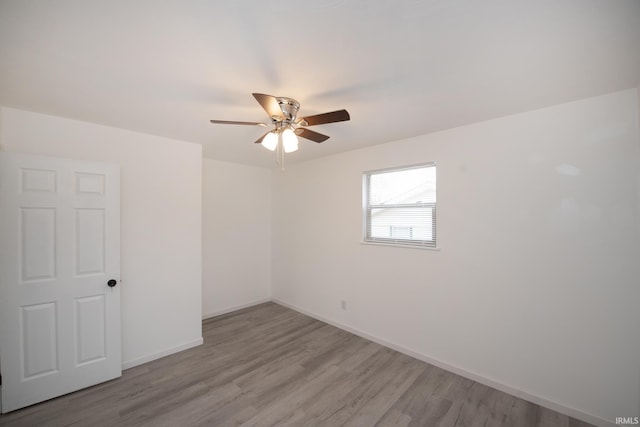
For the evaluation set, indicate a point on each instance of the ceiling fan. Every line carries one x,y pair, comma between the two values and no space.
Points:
282,112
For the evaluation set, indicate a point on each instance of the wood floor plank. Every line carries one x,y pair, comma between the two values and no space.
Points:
373,410
394,418
523,414
285,407
192,412
328,406
369,380
418,400
268,365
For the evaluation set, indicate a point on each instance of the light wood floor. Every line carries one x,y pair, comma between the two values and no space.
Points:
271,366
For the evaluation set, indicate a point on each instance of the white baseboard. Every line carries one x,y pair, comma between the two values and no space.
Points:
140,360
235,308
538,400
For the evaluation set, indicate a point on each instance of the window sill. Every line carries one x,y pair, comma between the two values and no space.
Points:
400,245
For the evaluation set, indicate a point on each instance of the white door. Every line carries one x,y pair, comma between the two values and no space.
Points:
59,248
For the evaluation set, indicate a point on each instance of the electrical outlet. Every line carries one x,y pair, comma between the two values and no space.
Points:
343,304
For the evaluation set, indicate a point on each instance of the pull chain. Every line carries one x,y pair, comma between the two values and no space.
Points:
280,153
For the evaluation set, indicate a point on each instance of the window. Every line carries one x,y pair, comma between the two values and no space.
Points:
400,206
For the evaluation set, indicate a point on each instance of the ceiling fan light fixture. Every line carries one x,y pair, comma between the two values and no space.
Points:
270,142
289,141
287,127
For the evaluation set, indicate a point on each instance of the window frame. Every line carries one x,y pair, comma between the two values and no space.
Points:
366,212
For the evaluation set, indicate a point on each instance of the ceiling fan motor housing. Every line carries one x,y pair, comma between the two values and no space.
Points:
289,107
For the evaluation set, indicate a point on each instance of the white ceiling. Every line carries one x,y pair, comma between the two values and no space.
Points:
401,68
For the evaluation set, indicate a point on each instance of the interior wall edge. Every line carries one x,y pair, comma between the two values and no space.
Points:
157,355
234,308
523,394
1,116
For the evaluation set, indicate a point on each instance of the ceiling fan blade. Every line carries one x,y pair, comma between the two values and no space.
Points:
270,105
309,134
259,140
231,122
332,117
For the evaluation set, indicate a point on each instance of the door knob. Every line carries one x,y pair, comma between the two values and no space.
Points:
111,283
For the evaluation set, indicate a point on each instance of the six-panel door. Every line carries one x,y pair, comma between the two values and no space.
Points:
59,247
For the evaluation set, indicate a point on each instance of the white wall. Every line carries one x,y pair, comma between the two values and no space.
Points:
536,285
161,231
236,246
